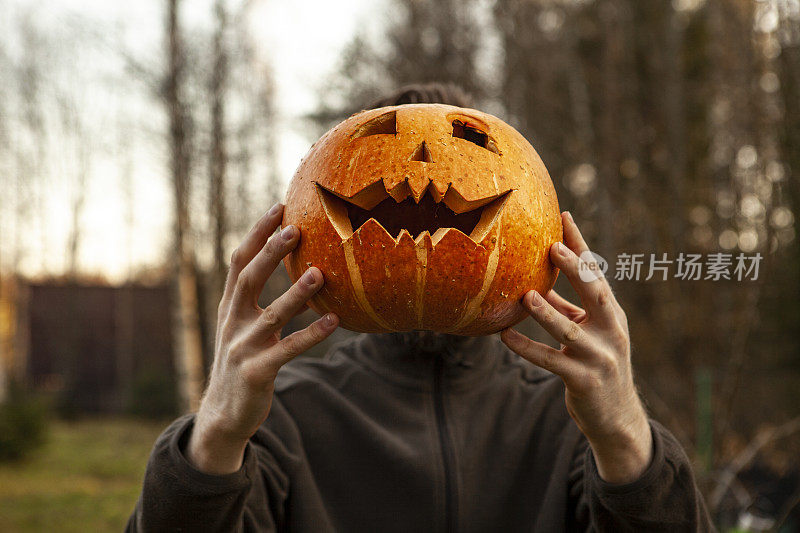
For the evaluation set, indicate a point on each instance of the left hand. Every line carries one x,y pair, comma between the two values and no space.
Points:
594,361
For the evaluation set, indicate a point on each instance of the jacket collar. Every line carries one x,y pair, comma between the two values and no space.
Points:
463,362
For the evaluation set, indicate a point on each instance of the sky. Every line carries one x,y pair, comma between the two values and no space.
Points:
305,38
301,41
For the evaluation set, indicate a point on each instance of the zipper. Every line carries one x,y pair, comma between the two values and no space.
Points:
448,460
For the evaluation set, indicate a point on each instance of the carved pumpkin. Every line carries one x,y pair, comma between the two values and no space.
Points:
424,216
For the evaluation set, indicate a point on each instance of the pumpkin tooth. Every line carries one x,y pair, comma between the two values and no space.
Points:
336,212
435,193
419,187
400,192
455,201
489,214
419,239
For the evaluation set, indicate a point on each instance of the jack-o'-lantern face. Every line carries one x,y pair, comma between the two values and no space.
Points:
424,216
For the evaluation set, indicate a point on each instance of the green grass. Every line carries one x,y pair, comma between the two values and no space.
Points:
86,477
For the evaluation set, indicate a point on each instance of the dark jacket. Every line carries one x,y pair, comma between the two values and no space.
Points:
377,438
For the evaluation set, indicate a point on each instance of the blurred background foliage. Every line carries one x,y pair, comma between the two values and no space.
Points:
668,127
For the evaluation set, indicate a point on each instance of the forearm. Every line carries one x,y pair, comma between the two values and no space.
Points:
211,451
624,455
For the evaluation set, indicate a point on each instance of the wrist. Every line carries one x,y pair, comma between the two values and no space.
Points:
214,452
623,456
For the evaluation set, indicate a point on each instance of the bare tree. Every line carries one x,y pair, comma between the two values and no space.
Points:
189,345
74,133
5,328
218,154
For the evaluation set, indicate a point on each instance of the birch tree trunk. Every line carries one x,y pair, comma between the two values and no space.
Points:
186,329
218,162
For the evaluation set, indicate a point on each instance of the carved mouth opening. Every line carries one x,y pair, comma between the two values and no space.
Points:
399,211
416,218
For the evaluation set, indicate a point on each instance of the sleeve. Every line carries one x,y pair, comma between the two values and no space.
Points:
664,498
177,497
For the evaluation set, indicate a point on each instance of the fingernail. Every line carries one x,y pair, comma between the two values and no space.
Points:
561,249
274,209
536,299
308,278
569,216
288,233
328,320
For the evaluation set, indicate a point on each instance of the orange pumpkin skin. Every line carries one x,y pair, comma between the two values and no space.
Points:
449,281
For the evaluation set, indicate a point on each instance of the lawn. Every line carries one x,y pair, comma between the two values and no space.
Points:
85,478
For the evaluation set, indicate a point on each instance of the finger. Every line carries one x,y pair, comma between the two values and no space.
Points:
267,364
561,328
288,304
540,354
575,241
250,245
572,235
594,292
252,279
301,310
564,306
303,340
297,313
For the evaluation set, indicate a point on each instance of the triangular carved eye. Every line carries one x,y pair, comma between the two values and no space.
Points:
474,135
422,154
385,124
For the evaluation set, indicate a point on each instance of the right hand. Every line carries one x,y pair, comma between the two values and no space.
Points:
249,350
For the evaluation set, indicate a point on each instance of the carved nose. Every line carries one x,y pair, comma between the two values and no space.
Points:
421,153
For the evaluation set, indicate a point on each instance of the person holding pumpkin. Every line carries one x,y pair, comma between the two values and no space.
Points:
417,431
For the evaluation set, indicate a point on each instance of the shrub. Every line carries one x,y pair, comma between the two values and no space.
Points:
23,424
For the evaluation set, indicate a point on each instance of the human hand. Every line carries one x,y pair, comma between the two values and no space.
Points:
594,362
249,350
